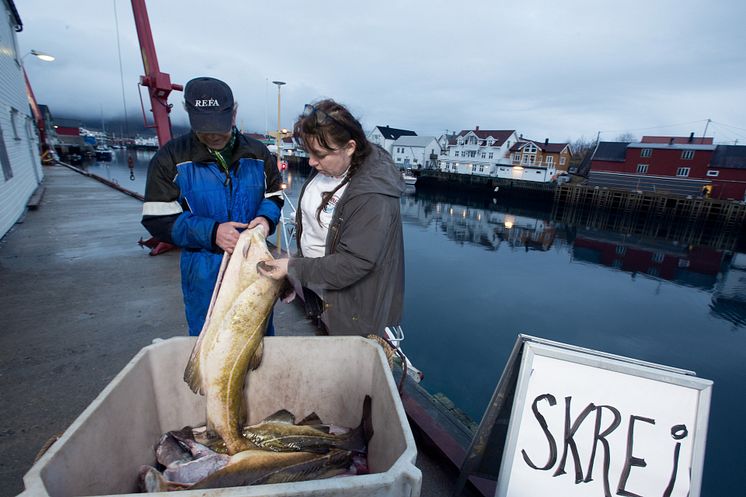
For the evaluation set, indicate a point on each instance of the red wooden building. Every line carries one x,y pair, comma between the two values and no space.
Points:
675,165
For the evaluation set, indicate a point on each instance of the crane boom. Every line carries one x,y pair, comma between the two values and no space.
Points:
158,83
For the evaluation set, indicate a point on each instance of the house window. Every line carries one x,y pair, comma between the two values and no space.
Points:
562,161
549,160
682,171
530,149
484,155
516,157
489,156
398,159
4,159
621,249
13,119
456,153
713,173
642,169
687,154
658,257
646,152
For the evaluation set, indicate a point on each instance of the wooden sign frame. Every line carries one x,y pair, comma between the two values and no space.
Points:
498,430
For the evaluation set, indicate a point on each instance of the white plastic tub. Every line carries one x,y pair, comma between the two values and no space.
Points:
100,453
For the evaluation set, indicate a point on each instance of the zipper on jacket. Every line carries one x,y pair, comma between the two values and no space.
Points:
335,236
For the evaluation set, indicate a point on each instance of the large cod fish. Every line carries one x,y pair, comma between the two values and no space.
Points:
230,342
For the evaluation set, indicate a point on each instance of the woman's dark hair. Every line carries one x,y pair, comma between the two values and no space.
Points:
331,125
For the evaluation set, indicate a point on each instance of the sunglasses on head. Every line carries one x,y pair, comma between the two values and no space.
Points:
323,117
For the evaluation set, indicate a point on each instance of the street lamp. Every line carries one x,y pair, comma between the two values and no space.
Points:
39,55
278,137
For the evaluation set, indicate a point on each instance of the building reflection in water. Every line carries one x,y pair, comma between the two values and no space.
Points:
662,251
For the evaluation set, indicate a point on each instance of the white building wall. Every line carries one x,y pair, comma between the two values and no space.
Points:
376,137
476,159
414,156
408,157
22,144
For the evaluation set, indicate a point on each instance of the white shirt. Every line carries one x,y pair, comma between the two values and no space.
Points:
313,238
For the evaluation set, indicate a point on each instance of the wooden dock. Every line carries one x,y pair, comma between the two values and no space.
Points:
731,213
696,221
485,184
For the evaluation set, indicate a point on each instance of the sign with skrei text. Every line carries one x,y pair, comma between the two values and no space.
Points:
589,424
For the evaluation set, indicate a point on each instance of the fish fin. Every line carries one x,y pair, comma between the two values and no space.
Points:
256,359
311,419
152,480
281,416
193,373
357,440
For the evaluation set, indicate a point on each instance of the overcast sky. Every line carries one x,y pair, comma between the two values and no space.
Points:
557,69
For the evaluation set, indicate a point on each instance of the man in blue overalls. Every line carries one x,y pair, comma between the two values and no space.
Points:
205,187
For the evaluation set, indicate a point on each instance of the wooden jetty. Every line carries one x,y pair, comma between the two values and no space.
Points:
696,221
486,184
731,213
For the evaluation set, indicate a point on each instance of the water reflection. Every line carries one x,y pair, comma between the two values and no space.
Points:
128,168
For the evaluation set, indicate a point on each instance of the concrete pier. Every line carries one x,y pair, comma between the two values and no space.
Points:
79,298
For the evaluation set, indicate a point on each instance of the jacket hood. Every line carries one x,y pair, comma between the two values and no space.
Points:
377,174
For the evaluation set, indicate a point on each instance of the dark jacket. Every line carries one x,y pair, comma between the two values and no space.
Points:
361,276
188,195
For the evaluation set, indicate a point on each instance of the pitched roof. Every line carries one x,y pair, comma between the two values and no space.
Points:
611,151
414,141
551,148
729,156
677,139
500,135
394,133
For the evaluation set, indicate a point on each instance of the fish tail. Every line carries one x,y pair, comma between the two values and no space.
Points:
358,438
193,373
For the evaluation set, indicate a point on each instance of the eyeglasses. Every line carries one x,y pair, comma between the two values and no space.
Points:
323,117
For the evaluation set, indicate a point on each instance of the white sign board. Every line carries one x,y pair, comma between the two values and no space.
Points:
595,425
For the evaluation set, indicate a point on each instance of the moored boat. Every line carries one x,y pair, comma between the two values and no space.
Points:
409,178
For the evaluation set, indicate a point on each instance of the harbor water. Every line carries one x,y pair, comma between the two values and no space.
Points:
480,271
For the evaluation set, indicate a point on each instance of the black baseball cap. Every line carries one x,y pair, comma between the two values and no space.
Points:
209,103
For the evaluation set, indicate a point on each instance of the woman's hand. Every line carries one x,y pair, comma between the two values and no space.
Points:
276,269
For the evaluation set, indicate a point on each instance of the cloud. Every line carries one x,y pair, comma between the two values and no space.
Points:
546,69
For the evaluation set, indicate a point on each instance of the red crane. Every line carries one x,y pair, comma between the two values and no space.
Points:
158,83
160,86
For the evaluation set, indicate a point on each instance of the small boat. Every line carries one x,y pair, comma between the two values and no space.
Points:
104,153
409,178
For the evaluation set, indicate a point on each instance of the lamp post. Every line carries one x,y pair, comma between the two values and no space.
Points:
38,117
278,146
278,139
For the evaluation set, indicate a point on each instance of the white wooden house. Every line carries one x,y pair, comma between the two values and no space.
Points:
20,166
385,136
416,152
477,151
